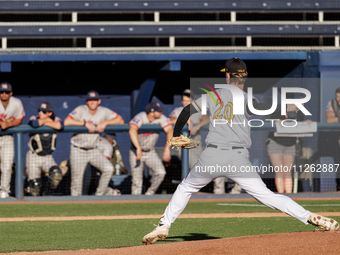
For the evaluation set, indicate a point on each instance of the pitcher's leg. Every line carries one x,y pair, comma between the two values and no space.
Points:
256,188
181,197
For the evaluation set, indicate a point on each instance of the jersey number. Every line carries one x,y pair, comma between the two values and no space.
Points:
228,111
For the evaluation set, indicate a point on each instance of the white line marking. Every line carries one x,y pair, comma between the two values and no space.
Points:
256,205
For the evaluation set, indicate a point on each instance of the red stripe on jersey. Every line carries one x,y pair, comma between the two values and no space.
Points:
20,118
132,123
167,125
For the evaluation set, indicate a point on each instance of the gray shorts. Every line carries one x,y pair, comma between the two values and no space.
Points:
274,148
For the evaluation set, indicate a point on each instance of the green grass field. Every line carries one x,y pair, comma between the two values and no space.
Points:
94,234
34,210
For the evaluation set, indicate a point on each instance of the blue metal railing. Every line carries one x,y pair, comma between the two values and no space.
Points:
22,129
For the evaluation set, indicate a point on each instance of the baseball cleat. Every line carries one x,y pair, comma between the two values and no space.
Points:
325,223
160,232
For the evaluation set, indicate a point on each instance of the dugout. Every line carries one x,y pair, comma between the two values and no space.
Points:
151,79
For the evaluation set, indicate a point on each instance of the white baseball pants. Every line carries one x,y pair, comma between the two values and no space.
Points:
6,158
35,164
79,159
250,182
152,161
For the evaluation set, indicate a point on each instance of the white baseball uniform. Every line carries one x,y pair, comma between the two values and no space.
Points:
227,146
15,111
150,158
84,150
36,163
105,147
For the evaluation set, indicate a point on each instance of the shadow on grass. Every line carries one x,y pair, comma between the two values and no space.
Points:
192,237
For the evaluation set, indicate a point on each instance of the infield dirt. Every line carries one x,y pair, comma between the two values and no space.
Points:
311,242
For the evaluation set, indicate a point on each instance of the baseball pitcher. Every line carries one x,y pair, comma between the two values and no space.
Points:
227,146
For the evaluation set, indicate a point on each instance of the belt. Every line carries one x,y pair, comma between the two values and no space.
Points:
85,149
5,134
225,148
146,150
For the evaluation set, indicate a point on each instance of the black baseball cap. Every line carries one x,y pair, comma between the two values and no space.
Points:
235,65
5,87
46,107
92,95
154,107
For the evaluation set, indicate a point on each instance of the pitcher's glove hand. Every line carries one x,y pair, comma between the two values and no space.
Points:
183,142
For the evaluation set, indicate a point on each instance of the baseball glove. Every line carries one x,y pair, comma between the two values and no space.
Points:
183,142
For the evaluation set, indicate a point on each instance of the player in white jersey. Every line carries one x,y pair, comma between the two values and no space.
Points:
41,146
227,145
84,146
105,147
11,115
143,150
116,158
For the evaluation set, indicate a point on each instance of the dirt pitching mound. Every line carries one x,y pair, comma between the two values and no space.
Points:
311,242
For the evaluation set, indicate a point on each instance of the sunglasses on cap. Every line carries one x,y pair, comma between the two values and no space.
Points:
7,92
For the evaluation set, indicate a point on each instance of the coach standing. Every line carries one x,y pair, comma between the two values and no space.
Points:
11,115
84,147
143,150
